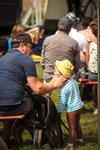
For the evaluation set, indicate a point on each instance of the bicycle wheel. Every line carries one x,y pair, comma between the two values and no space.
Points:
25,133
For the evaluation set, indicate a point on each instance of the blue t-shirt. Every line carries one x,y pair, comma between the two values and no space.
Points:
69,97
14,67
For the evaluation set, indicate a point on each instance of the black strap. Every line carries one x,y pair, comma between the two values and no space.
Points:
64,125
59,118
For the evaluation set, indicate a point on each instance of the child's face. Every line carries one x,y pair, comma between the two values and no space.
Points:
57,73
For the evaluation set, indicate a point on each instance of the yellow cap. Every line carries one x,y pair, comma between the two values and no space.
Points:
65,67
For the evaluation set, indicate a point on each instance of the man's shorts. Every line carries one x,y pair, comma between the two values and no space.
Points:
24,108
92,76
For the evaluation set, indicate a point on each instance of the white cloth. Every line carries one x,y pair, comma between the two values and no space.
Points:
93,58
81,39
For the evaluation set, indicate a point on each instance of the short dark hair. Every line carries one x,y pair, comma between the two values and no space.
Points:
65,23
93,26
17,45
86,22
62,29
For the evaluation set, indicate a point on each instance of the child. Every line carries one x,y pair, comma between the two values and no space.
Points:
69,99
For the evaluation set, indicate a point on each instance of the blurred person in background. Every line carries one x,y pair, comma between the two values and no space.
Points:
81,39
74,5
85,27
86,31
15,30
59,46
3,47
91,60
37,37
3,51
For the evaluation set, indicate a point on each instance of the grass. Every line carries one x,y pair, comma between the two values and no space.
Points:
88,123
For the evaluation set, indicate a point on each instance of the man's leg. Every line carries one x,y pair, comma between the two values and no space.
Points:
95,102
3,145
7,129
24,108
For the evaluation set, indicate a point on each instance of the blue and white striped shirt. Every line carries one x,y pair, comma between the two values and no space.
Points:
69,97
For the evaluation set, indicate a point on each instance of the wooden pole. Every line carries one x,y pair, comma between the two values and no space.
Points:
98,47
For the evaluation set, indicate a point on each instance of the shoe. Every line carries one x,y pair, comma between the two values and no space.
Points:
79,140
69,148
95,106
95,112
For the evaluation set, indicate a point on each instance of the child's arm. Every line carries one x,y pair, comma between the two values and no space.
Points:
33,30
62,101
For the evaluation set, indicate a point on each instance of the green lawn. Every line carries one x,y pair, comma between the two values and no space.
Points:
88,123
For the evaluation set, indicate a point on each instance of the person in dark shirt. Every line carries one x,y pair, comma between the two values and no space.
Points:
37,37
3,46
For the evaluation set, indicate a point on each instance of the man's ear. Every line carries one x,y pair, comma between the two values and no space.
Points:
22,47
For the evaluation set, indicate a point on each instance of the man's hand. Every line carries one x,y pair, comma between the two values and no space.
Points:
58,81
42,88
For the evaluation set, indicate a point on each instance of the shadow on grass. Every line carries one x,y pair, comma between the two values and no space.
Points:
85,110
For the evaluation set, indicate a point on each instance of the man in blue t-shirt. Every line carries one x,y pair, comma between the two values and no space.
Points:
16,69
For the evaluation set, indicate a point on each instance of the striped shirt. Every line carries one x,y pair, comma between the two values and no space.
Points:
69,97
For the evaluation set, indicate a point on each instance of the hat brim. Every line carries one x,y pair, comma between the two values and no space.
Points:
33,44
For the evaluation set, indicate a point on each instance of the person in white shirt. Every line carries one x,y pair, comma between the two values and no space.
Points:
81,39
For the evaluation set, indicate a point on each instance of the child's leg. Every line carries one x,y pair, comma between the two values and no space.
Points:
78,127
3,145
71,119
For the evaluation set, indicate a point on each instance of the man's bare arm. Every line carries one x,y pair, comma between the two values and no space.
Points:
41,88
